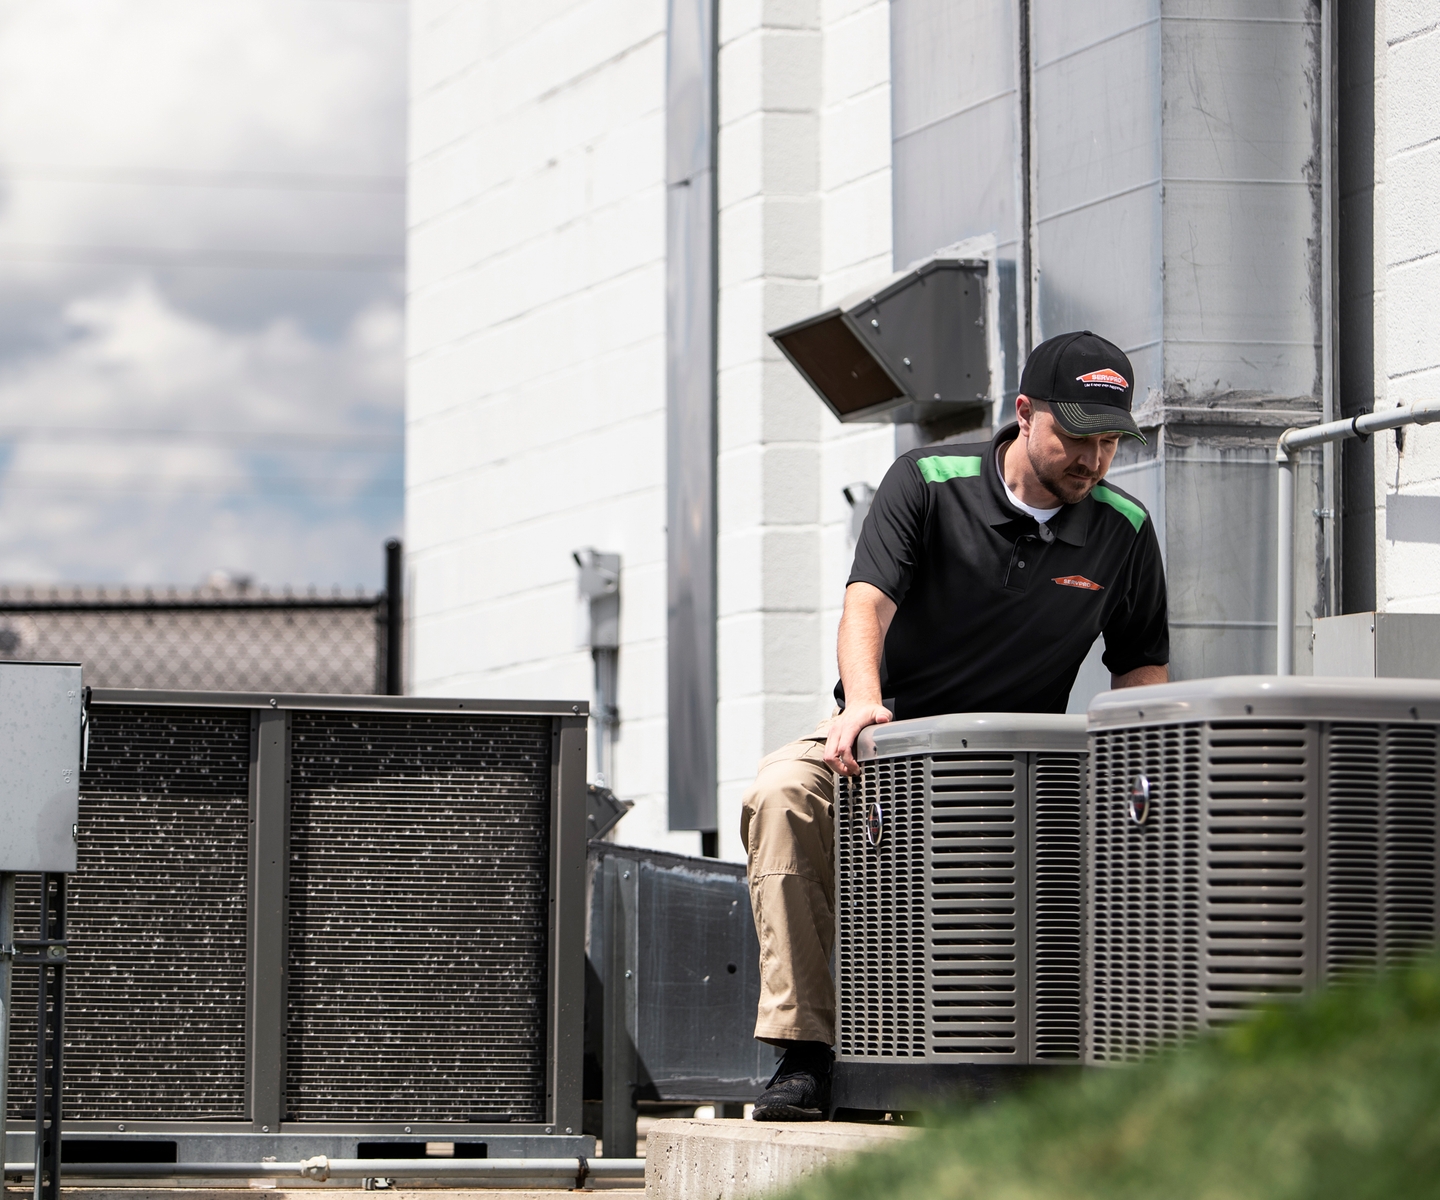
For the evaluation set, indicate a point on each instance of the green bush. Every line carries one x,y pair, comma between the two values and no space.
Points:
1338,1097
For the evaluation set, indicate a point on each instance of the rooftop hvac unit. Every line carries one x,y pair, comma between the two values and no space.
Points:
1250,838
958,888
308,925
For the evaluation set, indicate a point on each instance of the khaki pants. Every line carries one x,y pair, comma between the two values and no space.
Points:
787,822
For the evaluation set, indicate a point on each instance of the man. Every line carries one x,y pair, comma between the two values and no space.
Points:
982,577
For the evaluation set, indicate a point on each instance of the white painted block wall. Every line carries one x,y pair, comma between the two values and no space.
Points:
1408,230
804,183
535,410
536,393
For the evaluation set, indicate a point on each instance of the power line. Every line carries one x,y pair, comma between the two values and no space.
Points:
278,440
303,181
159,256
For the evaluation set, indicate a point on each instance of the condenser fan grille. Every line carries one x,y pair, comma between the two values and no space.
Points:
155,993
419,873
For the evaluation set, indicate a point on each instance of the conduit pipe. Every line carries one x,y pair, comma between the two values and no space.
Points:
1287,449
569,1172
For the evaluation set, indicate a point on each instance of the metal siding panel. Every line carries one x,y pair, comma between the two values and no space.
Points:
419,917
691,438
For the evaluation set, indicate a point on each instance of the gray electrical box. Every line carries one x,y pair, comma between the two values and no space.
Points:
1378,645
40,707
915,349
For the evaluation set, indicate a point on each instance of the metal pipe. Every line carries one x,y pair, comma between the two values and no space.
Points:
394,618
1287,449
7,957
572,1170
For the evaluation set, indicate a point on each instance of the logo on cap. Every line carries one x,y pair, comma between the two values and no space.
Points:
1104,378
1078,581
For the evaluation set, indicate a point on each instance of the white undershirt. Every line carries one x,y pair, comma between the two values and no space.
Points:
1040,514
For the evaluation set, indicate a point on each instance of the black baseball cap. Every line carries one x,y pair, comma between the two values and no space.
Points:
1087,381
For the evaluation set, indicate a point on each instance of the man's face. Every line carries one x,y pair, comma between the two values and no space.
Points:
1068,466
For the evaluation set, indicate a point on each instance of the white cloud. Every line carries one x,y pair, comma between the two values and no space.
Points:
164,124
178,492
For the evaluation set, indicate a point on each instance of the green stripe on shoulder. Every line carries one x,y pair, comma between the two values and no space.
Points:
1128,509
940,467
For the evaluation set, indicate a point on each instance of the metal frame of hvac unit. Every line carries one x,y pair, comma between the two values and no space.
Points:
265,1134
898,926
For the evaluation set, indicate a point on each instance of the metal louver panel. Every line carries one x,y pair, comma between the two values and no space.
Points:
155,1017
1057,798
881,910
1258,830
976,903
1144,892
1380,845
419,870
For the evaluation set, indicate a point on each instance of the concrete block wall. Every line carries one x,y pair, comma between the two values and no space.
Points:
1408,237
536,395
536,391
804,185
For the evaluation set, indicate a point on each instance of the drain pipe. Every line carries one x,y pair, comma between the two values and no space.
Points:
1287,450
568,1172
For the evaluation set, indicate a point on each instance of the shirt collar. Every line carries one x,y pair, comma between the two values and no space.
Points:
1069,525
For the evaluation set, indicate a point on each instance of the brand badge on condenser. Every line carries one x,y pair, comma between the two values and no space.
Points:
874,823
1138,806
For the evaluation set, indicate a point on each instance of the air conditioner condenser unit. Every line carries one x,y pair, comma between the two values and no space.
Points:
958,892
1248,839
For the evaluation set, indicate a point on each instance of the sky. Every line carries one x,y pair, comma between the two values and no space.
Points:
201,290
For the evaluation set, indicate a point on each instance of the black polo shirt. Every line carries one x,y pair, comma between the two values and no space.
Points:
995,614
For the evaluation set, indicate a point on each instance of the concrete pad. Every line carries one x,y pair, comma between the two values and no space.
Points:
731,1160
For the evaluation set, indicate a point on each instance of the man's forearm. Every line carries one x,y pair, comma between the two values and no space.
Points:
1141,677
863,626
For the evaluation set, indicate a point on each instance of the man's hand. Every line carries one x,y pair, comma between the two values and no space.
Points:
863,626
844,729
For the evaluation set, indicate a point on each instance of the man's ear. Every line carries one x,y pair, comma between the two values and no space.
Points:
1024,413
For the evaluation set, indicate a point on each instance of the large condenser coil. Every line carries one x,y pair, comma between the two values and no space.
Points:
958,893
337,925
1250,838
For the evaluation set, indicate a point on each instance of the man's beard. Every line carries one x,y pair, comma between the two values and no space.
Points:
1067,488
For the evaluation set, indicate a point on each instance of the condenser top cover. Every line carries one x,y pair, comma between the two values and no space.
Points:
40,705
1272,697
912,350
972,731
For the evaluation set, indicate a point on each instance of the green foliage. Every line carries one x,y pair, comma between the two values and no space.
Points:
1338,1097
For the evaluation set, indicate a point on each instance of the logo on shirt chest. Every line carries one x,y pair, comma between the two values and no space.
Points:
1078,581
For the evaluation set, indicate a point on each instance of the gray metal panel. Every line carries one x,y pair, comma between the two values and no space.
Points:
1369,644
308,701
569,819
691,439
973,731
956,169
683,930
1242,196
955,124
1277,697
40,747
270,876
1346,645
1097,175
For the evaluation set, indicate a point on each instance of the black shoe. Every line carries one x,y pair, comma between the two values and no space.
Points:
800,1088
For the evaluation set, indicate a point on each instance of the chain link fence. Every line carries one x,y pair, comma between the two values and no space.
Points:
203,639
